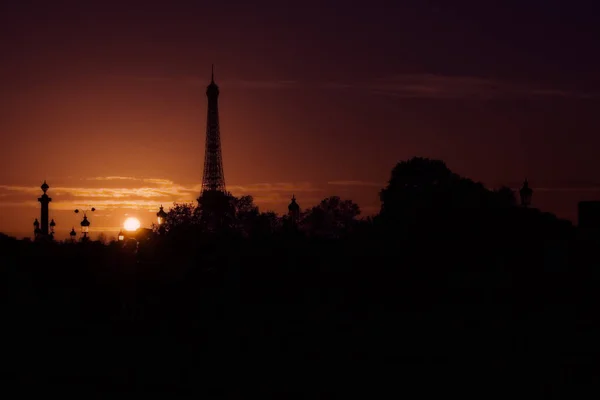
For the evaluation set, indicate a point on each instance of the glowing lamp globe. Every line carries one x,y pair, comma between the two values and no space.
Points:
162,215
85,225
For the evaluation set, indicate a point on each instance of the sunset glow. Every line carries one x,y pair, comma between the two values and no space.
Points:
131,224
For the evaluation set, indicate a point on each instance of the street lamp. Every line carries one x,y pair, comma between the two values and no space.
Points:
161,215
121,236
85,224
525,194
85,227
52,225
73,234
36,228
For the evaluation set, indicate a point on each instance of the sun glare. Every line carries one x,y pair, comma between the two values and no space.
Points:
131,224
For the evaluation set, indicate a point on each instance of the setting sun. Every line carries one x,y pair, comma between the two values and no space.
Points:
131,224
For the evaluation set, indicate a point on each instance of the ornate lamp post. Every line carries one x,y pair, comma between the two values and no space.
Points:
44,202
52,225
42,229
85,227
294,211
525,194
161,216
85,223
73,234
36,229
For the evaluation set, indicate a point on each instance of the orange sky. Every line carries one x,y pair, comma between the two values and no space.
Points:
314,102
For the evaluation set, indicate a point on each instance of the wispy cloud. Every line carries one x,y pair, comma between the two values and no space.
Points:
111,178
145,193
355,183
564,189
249,84
417,86
432,86
274,187
162,182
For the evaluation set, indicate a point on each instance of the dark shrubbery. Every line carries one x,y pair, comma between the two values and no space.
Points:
451,287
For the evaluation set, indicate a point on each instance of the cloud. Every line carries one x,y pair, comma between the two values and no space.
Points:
148,193
356,183
23,189
203,82
563,189
249,84
409,86
129,194
416,86
275,187
145,193
432,86
112,178
163,182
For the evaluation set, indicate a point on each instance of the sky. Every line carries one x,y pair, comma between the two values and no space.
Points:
106,101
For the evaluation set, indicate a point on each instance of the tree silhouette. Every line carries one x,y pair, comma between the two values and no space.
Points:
204,300
415,183
217,211
332,217
505,197
246,214
424,195
182,216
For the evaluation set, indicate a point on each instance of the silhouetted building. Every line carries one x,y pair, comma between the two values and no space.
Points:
213,178
294,210
525,193
44,223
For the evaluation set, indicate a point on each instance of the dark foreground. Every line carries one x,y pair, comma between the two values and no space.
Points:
301,318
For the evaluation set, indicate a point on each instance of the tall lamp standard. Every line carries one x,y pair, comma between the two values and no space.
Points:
36,229
85,223
161,216
525,194
52,225
73,234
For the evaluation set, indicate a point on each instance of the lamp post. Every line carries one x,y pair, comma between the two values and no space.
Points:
73,234
52,225
161,216
121,236
85,228
44,202
85,223
294,210
36,229
525,194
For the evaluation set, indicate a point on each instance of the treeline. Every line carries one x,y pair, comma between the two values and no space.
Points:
451,288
